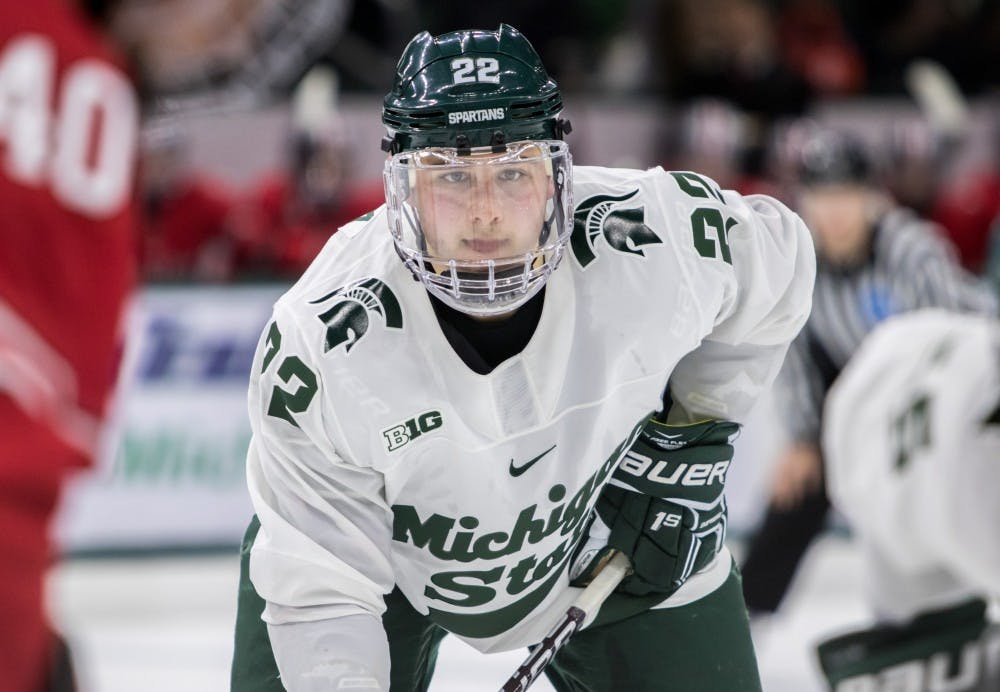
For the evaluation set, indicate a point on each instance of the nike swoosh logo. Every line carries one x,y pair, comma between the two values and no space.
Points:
516,471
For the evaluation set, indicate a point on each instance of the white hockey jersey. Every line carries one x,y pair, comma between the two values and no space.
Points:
911,460
379,458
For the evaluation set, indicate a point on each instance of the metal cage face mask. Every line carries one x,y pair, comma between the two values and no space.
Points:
482,229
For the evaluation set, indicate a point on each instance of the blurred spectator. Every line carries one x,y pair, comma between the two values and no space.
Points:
913,162
815,45
717,139
184,215
921,173
207,53
874,260
178,39
767,55
67,266
287,217
922,164
727,49
571,38
374,31
968,203
959,34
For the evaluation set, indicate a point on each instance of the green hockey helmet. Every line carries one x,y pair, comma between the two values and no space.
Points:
470,89
478,184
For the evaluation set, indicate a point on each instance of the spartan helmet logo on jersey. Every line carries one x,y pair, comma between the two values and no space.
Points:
623,229
348,320
478,182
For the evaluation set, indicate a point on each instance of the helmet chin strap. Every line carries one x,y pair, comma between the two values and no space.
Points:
547,227
557,179
418,229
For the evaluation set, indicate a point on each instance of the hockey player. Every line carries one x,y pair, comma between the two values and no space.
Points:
912,445
68,123
875,260
464,374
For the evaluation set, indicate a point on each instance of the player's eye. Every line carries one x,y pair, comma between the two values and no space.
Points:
510,175
454,177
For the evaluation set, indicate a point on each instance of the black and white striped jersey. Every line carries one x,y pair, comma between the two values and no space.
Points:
910,266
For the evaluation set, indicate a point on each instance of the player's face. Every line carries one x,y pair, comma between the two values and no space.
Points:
839,217
481,229
487,207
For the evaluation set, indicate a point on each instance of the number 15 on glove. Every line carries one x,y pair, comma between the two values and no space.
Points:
663,507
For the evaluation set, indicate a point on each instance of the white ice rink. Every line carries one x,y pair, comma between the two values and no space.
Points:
165,624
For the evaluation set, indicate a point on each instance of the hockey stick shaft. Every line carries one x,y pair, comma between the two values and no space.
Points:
592,597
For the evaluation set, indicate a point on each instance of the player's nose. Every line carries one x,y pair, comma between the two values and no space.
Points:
485,204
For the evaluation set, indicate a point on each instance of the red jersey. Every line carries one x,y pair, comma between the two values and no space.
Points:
68,124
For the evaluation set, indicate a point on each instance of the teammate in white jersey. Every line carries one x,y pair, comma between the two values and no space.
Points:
912,443
464,401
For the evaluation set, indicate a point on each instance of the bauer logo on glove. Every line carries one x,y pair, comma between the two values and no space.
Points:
664,507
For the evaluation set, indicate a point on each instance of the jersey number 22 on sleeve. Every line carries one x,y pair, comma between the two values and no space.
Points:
704,218
284,402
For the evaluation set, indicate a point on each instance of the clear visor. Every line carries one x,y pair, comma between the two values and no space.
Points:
481,224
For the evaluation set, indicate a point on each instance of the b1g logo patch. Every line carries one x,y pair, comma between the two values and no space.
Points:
398,435
347,320
624,230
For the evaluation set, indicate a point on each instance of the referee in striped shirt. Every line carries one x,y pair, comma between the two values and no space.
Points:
874,260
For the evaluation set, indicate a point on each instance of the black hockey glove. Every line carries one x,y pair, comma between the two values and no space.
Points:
663,507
